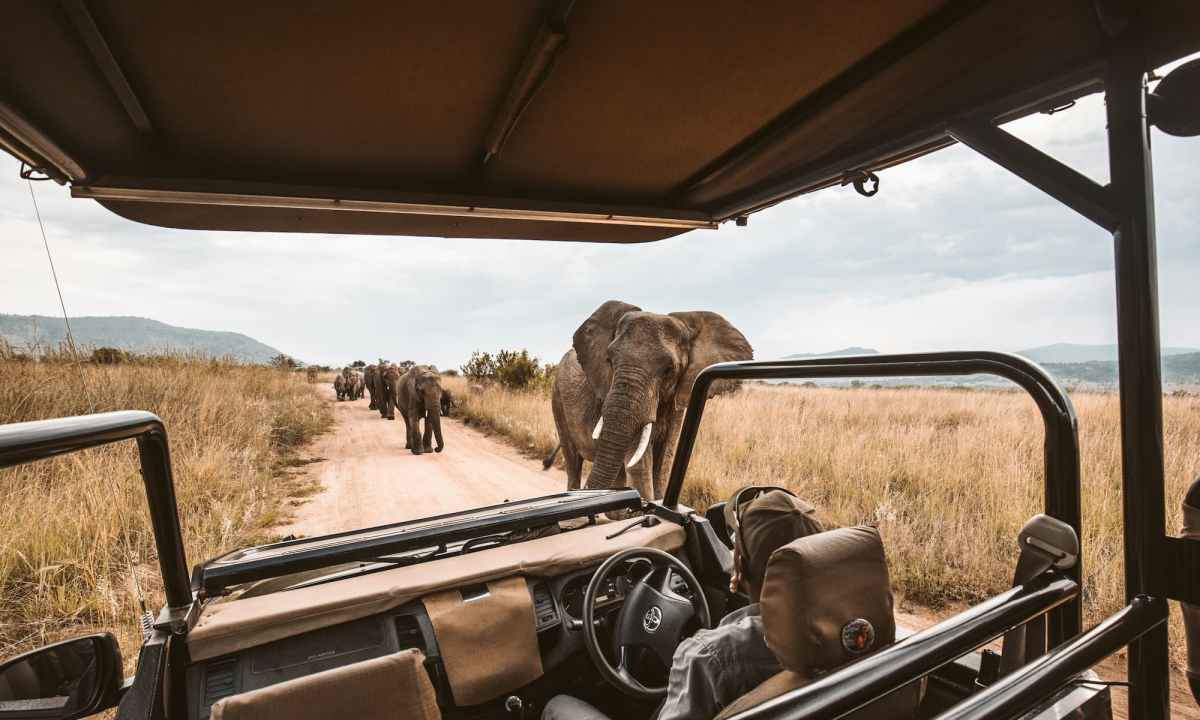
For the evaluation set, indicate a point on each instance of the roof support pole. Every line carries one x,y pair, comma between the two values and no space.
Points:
1070,187
107,63
1139,368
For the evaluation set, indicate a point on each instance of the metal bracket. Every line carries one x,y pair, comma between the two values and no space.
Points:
860,178
1065,184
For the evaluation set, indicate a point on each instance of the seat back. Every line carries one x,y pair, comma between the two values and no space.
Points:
827,602
392,686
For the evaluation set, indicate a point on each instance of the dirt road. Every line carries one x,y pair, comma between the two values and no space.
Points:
367,477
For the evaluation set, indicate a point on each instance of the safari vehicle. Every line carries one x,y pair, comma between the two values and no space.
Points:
593,122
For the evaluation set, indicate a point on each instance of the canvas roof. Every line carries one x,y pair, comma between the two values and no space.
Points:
614,121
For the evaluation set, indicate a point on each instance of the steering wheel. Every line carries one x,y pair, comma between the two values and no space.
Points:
652,617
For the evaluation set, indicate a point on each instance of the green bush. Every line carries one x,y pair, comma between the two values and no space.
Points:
514,369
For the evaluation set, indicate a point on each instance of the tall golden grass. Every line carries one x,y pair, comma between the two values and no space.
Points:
948,475
72,527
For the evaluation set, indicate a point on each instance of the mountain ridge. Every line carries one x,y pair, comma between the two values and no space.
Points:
134,333
844,352
1078,353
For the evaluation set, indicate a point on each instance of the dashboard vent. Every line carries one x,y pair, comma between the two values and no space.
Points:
543,607
220,681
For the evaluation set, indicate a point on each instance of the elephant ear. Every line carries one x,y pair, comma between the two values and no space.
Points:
591,342
713,340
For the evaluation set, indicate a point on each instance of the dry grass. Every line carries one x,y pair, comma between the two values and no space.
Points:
71,525
948,475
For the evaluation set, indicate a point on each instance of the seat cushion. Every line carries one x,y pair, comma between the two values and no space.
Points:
392,687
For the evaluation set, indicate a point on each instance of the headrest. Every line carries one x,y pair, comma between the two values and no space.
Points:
827,600
768,522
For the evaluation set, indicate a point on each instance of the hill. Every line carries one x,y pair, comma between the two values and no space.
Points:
844,352
132,333
1074,353
1177,369
1096,366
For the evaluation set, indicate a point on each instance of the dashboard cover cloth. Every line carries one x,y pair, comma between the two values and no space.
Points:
819,586
386,688
235,625
488,643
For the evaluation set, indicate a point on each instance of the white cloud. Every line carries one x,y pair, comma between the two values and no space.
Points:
954,252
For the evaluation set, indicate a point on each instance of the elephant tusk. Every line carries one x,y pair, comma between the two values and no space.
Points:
642,444
599,427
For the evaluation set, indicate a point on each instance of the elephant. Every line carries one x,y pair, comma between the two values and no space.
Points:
419,397
447,402
387,382
369,382
358,386
620,393
339,387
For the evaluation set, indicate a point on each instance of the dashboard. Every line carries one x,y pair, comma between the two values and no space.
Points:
558,618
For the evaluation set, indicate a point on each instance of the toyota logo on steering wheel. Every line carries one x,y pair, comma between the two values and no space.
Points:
652,620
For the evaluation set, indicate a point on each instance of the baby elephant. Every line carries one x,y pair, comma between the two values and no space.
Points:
419,396
341,387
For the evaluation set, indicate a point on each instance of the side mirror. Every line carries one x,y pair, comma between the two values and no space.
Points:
66,680
1174,106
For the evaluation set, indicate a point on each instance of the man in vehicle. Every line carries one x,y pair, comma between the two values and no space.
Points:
714,667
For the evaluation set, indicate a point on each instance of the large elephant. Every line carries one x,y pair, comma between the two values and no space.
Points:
620,393
369,382
420,397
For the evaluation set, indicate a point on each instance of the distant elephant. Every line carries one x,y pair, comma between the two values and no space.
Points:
358,386
447,402
387,384
310,373
620,393
369,383
420,397
339,387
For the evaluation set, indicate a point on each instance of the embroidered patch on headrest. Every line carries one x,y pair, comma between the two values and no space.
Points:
858,636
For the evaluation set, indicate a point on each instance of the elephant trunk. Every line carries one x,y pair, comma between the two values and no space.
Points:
628,412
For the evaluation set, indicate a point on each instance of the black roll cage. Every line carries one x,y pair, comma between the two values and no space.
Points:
1158,567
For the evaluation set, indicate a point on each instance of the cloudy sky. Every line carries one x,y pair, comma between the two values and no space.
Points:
952,253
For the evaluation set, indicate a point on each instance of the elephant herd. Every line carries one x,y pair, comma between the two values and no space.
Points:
618,399
415,391
348,385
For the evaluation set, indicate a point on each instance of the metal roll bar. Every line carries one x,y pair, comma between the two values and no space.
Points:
28,441
1016,693
1061,447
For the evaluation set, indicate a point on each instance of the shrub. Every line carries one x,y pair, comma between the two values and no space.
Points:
109,356
515,369
284,362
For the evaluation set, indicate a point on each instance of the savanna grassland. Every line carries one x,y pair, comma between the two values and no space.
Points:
72,528
949,475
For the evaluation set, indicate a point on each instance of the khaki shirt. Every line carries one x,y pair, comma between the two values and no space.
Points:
714,667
